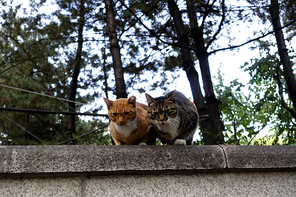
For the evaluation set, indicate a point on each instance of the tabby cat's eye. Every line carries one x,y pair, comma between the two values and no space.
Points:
126,113
114,114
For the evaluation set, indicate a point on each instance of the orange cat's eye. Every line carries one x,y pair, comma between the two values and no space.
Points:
114,114
126,113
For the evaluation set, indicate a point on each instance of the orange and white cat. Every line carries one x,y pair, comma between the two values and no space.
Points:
130,123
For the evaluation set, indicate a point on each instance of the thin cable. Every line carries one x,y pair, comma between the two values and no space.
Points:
32,80
43,87
101,127
22,128
50,112
62,99
39,85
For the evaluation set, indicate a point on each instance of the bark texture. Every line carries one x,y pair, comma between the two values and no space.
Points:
214,134
115,50
283,52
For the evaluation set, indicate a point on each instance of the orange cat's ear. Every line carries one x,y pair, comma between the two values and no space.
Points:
149,99
132,100
108,102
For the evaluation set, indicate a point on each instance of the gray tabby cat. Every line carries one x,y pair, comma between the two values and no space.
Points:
174,117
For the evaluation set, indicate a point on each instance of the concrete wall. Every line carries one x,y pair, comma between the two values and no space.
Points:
147,171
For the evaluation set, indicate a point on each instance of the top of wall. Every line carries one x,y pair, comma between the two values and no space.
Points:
100,160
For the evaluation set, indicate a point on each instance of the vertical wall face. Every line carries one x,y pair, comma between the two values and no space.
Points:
196,184
204,184
69,186
148,171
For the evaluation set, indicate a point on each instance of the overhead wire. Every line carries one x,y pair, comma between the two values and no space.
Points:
22,128
32,92
61,99
39,85
85,134
50,112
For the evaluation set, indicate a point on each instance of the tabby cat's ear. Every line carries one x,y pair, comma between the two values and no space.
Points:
132,100
108,102
149,99
171,96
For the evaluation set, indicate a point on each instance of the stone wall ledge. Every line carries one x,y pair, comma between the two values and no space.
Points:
76,160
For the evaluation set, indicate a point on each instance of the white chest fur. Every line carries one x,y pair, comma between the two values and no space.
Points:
127,129
171,126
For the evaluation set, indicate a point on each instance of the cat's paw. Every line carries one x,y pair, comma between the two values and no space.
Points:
180,142
142,143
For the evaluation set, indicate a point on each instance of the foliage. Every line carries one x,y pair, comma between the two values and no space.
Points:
26,54
37,56
38,45
274,87
97,136
247,111
242,116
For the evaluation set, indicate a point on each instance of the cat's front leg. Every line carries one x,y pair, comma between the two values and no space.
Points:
180,142
147,138
143,140
117,142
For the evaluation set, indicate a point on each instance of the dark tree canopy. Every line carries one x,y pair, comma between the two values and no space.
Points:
65,55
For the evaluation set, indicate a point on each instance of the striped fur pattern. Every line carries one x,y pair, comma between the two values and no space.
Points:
130,123
174,117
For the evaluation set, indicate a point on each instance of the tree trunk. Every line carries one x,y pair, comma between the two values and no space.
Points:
214,134
105,72
283,52
115,50
188,67
76,71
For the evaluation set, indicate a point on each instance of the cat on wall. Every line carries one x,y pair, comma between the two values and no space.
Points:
174,118
130,123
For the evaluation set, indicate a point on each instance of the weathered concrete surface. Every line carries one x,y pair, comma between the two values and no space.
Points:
96,159
230,184
260,157
198,184
147,171
41,187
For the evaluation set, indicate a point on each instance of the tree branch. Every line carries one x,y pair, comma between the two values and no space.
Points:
220,26
283,103
151,31
252,40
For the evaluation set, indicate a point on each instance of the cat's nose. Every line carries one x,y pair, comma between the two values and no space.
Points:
162,119
120,119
